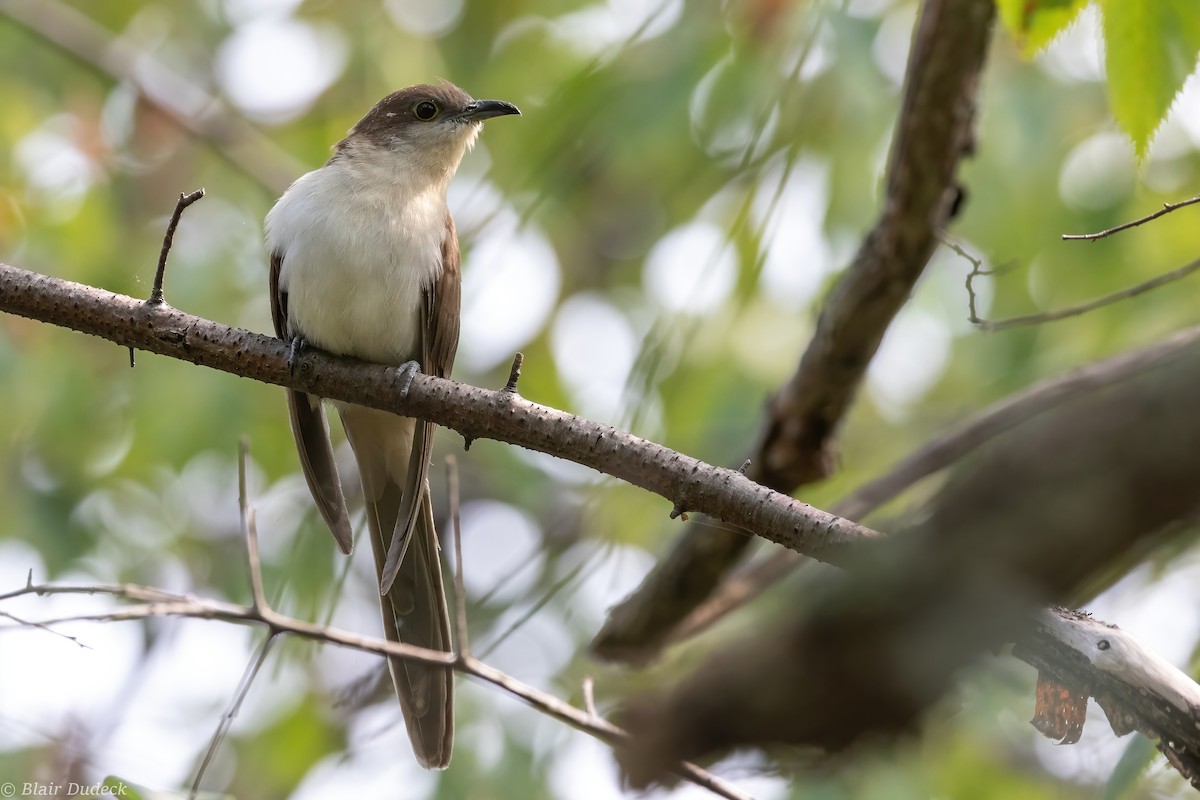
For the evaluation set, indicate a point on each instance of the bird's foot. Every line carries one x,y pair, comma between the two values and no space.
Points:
407,371
294,352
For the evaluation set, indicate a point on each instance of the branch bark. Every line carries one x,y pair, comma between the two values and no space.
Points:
933,133
688,483
1137,690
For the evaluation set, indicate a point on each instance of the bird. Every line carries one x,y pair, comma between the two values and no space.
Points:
364,262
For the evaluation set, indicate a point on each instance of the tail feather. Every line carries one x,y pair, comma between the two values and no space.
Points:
414,607
415,612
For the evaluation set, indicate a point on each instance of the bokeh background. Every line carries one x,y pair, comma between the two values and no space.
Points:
656,234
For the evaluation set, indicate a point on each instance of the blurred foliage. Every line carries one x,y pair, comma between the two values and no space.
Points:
1150,50
687,179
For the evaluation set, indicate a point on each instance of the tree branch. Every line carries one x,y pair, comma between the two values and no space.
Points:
476,413
933,133
933,456
1135,687
1043,515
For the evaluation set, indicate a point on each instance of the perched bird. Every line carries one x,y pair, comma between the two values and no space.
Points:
365,263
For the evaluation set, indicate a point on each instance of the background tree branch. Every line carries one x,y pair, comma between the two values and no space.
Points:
190,106
1062,502
934,132
934,456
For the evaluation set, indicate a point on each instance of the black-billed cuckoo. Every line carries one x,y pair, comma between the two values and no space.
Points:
365,263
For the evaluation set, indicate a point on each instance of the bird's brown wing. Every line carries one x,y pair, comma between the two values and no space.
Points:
311,432
439,342
443,305
414,601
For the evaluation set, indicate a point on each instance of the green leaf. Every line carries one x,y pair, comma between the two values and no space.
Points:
1151,49
1034,24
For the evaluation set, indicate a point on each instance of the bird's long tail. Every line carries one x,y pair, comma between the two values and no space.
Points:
414,609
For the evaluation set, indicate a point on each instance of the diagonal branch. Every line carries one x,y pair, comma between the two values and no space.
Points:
476,413
1044,514
935,455
933,134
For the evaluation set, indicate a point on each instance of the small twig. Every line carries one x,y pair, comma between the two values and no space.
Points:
534,608
460,589
589,695
1091,305
514,374
250,531
977,270
1166,209
599,727
156,291
230,713
28,624
125,591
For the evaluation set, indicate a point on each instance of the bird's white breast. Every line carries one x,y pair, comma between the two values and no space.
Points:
360,244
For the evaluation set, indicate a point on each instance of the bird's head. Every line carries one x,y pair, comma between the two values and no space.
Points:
426,127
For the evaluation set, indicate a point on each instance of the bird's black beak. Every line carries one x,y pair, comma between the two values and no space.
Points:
479,110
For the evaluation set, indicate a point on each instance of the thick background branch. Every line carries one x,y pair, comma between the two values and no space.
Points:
1037,517
935,455
933,133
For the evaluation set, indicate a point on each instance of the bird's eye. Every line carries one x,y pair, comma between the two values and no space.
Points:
425,110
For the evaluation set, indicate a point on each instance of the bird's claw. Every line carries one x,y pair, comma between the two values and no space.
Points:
294,351
407,371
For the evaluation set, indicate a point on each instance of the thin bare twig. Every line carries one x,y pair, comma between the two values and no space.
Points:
231,712
125,591
203,608
1091,305
27,624
589,695
514,374
595,725
977,270
250,531
1166,209
185,200
460,589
